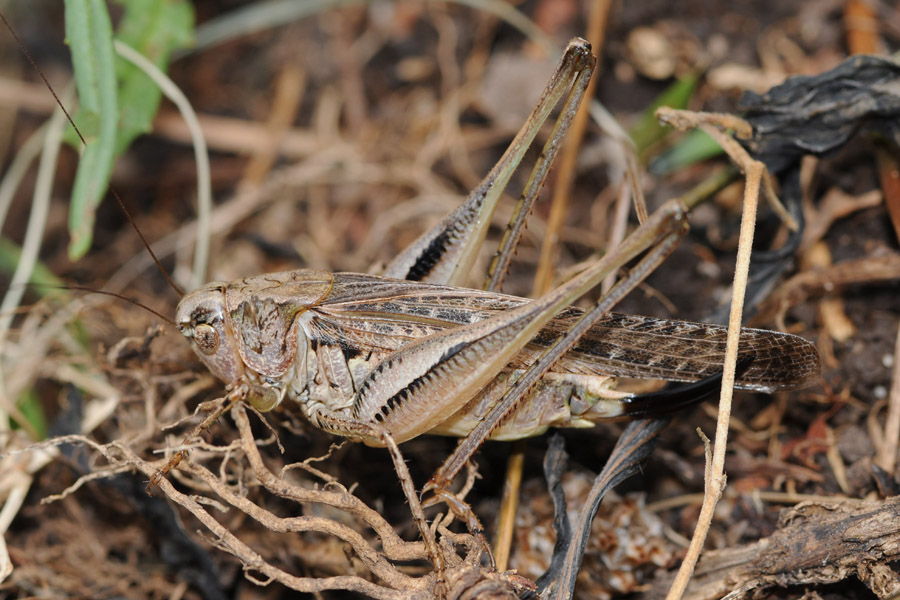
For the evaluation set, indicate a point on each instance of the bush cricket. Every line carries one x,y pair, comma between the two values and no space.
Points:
384,358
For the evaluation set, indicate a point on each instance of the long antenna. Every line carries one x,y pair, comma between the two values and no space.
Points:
82,288
112,189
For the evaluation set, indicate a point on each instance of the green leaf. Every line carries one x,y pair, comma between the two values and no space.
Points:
117,100
31,408
694,147
155,28
647,131
41,277
89,32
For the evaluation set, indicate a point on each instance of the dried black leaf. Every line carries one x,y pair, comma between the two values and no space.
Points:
818,114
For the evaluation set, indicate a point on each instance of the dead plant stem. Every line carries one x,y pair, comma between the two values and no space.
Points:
887,456
559,207
716,479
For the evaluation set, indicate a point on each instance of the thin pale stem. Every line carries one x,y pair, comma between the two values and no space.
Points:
887,456
201,156
715,125
229,542
559,206
506,517
715,480
34,234
415,507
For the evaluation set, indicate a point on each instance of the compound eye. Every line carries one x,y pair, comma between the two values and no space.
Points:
206,338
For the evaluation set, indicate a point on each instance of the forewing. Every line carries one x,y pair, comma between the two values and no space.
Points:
368,313
644,347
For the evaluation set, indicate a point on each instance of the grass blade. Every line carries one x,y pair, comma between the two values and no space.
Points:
90,36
